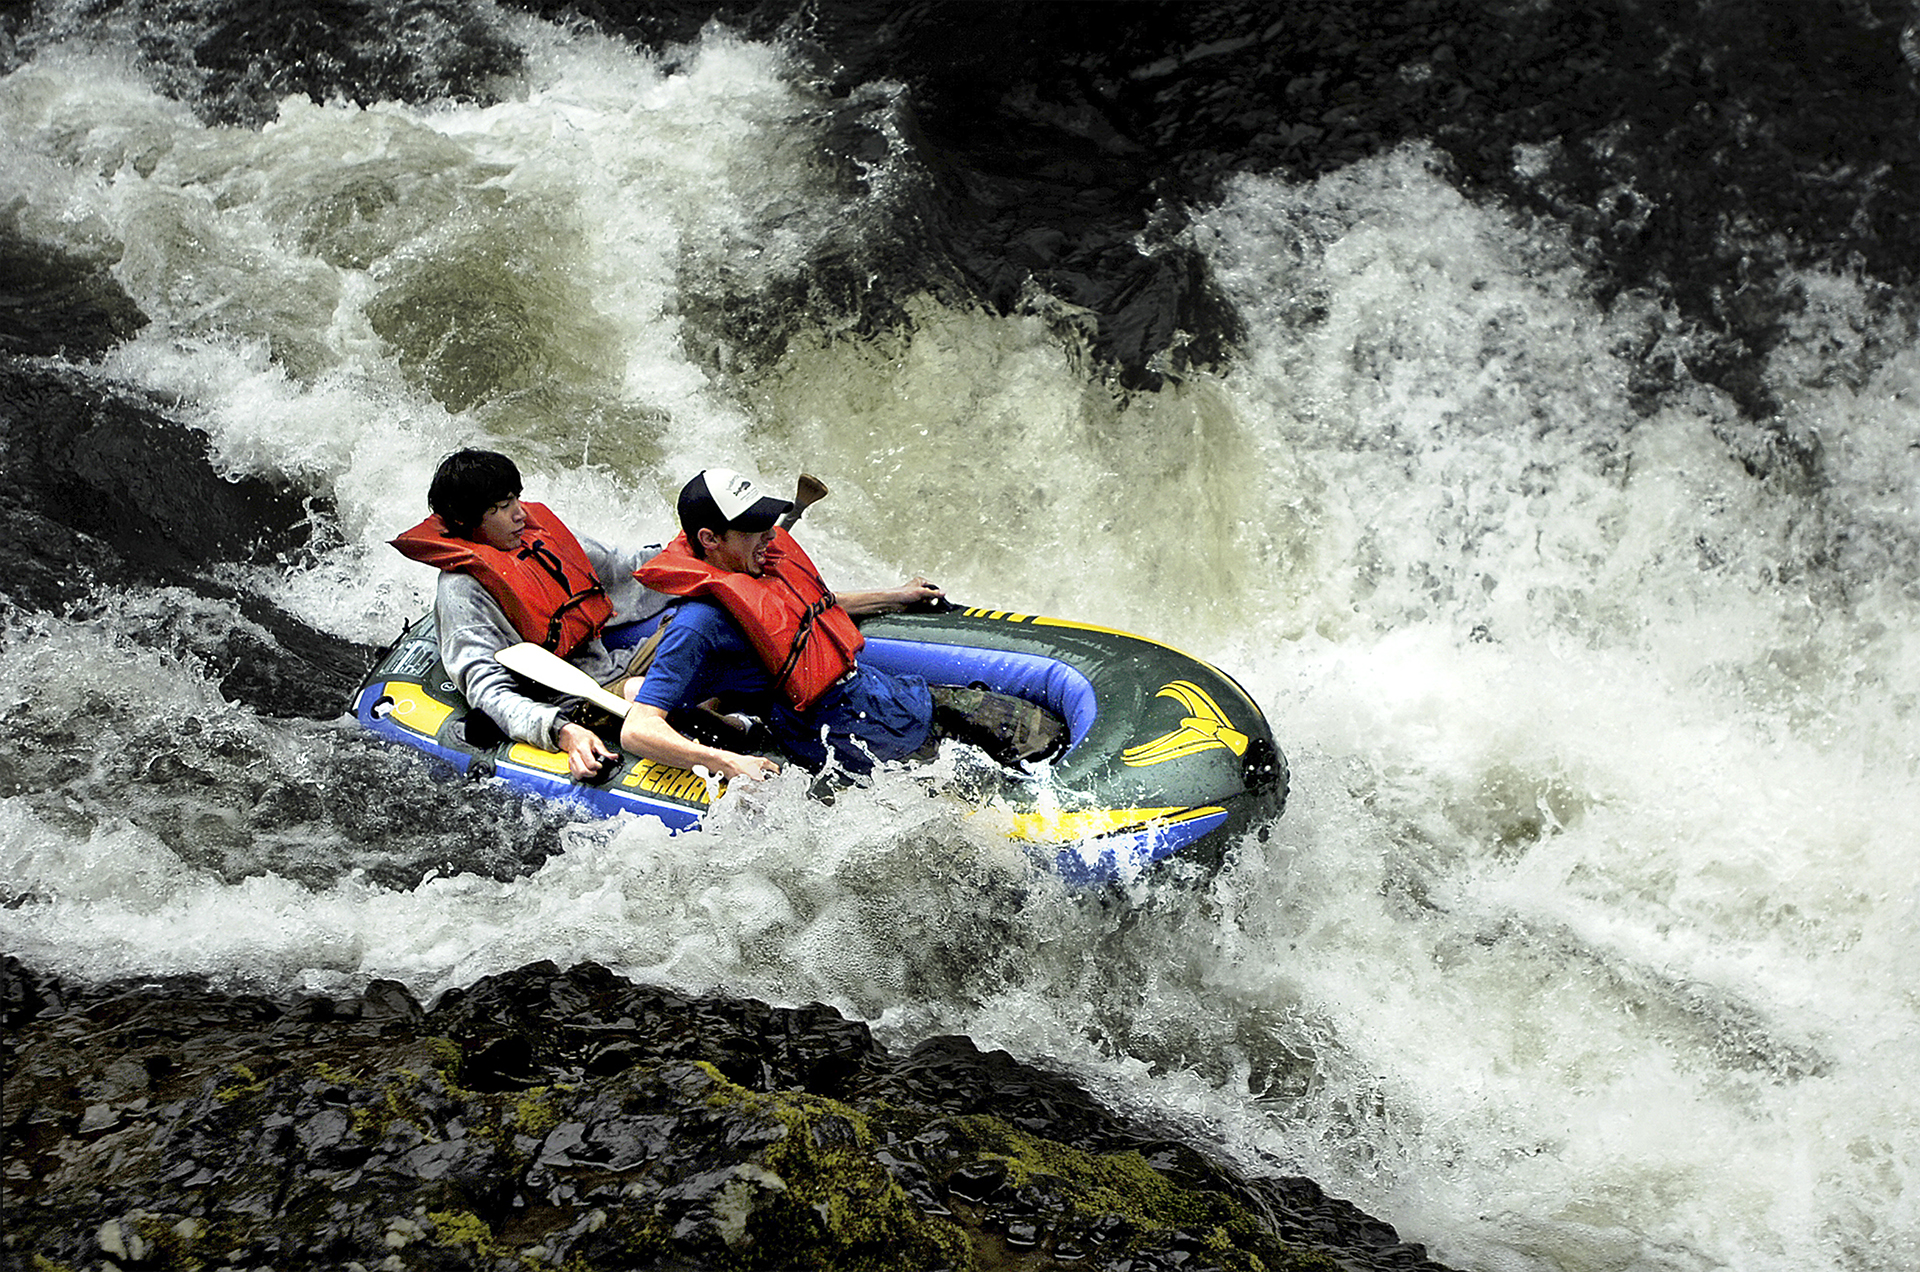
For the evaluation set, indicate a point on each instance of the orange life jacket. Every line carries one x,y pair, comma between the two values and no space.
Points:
547,587
803,636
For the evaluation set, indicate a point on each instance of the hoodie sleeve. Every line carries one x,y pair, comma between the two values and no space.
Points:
473,628
632,600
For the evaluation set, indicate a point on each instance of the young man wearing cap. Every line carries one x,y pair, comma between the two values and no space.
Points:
760,629
511,571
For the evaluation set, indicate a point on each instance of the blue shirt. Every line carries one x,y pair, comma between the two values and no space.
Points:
874,716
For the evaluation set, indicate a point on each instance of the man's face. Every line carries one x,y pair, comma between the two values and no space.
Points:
738,551
500,525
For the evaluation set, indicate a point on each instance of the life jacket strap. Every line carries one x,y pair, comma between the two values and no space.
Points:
800,638
572,602
545,557
643,652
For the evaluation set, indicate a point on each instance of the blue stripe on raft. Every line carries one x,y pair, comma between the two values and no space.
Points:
607,801
1125,856
1053,684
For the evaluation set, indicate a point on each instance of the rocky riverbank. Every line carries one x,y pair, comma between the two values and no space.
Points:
549,1118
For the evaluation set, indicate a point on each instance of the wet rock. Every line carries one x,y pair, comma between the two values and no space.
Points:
1689,158
56,305
977,1181
236,59
114,469
100,488
170,1125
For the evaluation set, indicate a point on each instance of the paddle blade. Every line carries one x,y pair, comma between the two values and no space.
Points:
546,668
808,491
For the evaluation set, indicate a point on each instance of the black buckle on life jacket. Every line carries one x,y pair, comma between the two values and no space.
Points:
802,636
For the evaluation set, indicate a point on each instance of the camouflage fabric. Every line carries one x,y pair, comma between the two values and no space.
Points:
1011,730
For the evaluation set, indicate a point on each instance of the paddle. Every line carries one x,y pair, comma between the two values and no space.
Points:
808,491
544,667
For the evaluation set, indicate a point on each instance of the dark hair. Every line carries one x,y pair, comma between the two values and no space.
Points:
467,483
697,513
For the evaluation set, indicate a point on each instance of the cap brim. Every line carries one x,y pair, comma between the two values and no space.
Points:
763,514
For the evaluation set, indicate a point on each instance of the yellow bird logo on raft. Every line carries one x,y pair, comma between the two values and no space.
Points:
1205,727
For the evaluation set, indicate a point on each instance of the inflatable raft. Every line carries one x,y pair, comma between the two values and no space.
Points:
1168,756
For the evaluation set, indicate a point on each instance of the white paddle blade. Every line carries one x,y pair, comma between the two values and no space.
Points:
556,673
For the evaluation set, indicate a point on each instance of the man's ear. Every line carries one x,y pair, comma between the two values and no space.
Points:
705,537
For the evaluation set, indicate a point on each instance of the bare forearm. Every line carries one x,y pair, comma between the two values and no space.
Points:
647,734
652,738
887,600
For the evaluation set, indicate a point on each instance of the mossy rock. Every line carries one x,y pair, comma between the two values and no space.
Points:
569,1119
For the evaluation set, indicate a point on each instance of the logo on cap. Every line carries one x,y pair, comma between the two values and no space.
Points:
734,498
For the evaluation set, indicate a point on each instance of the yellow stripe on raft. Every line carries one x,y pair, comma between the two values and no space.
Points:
1114,631
1008,616
653,779
1063,827
537,757
416,708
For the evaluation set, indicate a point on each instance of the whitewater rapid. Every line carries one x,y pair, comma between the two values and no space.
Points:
1587,940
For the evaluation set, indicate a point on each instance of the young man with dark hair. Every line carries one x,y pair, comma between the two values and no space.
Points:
511,571
760,628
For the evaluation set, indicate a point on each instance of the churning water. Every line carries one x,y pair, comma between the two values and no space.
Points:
1588,940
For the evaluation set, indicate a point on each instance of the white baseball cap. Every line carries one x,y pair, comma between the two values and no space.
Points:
721,499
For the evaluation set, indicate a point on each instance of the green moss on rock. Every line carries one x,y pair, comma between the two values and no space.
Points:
534,1113
242,1084
817,1198
462,1228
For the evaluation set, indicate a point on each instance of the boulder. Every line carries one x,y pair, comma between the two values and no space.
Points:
550,1117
